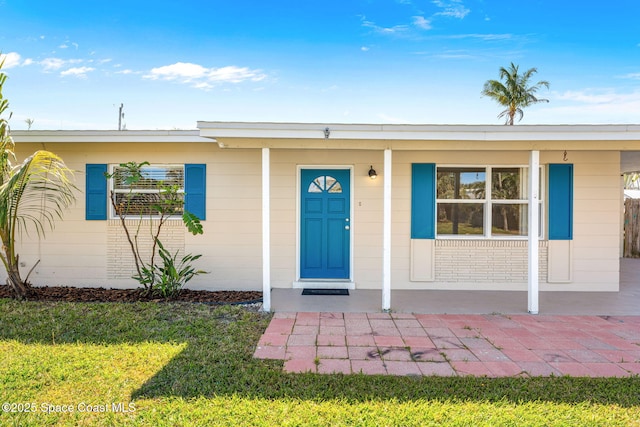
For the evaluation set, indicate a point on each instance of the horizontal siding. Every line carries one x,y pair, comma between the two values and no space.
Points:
596,221
366,206
76,251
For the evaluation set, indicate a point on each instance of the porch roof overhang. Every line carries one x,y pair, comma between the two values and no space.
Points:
108,136
422,137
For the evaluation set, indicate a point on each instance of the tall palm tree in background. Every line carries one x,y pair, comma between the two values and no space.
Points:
32,193
514,91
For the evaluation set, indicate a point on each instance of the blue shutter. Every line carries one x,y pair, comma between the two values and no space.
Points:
423,201
195,183
561,201
96,192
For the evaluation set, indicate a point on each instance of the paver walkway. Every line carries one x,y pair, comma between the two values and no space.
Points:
447,345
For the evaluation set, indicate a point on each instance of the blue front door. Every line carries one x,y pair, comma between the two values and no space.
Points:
325,224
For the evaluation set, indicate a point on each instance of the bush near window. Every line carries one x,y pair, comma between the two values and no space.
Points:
158,204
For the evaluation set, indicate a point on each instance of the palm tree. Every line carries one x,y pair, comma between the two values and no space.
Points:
632,180
514,91
33,193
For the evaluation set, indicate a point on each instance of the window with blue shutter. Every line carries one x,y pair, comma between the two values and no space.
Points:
96,192
423,200
561,201
195,189
193,181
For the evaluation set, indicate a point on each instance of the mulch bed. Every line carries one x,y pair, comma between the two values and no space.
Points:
72,294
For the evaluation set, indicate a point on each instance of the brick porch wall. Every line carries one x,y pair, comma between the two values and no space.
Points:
485,261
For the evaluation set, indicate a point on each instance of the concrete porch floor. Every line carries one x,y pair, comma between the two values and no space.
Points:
626,302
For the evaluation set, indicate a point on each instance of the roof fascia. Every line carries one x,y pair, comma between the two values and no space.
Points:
106,136
312,135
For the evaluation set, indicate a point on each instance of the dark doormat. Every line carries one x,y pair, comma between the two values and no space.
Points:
325,292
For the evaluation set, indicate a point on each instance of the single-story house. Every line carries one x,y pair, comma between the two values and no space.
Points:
357,206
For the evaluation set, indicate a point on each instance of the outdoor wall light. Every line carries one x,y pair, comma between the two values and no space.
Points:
372,173
327,132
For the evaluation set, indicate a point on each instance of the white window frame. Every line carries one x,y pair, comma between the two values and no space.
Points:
112,167
488,202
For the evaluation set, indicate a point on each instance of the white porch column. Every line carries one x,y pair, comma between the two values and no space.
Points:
266,231
386,233
534,227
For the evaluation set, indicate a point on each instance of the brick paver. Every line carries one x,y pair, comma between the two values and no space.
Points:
334,366
369,367
449,345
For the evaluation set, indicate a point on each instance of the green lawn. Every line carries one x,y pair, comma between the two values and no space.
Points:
190,365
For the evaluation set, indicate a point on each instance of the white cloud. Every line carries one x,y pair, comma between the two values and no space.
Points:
80,72
589,96
180,70
364,48
452,8
11,59
421,22
204,78
51,64
592,106
455,54
633,76
395,30
485,37
203,85
54,64
234,74
66,44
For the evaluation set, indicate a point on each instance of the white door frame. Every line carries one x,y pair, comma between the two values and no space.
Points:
319,283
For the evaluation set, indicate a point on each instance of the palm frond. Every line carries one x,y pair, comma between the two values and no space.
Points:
513,91
36,193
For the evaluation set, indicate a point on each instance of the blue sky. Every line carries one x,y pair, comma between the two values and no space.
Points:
72,63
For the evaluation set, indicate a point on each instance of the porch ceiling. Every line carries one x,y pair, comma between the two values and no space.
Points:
630,161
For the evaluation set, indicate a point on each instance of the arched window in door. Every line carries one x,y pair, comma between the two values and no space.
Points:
324,183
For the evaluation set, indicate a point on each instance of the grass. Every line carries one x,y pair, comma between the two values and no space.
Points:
464,228
192,365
